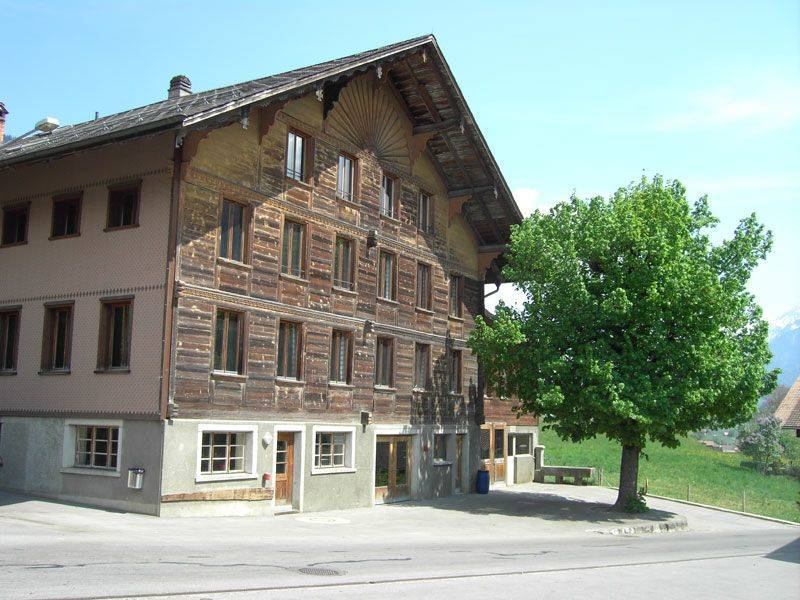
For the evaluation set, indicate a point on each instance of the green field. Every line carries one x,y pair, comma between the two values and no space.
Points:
713,477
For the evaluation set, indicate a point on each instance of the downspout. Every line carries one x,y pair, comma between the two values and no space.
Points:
167,336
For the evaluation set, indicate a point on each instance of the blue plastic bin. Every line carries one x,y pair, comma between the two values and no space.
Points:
482,482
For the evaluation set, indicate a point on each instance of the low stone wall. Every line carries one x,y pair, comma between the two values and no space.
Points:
540,470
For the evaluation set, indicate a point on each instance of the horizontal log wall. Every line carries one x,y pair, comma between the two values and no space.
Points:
247,165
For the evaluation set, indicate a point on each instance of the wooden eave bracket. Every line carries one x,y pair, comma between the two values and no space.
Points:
191,142
486,258
457,205
418,144
267,118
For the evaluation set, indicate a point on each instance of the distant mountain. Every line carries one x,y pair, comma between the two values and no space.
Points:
784,341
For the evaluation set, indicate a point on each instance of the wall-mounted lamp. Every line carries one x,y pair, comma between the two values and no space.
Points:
366,417
372,238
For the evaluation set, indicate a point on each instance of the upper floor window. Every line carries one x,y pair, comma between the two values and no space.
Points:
422,366
9,339
290,339
424,287
425,213
440,447
66,217
341,356
343,264
57,339
233,231
384,362
123,206
114,348
229,342
456,292
387,196
293,253
387,273
454,372
296,150
345,177
15,224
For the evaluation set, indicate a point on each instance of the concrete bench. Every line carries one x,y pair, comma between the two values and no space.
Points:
577,474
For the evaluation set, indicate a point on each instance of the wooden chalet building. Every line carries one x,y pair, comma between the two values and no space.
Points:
256,298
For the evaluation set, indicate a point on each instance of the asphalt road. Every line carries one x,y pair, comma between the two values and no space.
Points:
537,542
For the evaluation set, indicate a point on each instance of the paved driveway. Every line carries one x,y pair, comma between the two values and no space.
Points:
542,537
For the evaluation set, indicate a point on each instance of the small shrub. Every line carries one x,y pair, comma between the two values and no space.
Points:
636,504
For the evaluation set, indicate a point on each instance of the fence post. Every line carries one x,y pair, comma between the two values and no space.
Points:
646,485
688,491
601,476
744,500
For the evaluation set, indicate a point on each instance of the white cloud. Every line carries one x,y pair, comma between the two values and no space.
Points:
529,199
757,105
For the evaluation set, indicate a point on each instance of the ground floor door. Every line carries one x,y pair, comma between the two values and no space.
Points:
493,450
392,467
459,463
284,468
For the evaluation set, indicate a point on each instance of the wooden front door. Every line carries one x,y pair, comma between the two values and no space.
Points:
284,468
493,450
392,467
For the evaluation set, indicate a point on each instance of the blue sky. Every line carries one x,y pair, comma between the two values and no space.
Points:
572,96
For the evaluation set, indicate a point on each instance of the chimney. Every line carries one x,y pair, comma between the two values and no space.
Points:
179,86
3,113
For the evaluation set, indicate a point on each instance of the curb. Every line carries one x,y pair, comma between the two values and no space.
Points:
676,524
727,510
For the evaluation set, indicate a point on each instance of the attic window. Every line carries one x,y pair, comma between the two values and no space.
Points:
123,207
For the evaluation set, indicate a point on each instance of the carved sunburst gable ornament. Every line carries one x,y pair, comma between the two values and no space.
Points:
367,116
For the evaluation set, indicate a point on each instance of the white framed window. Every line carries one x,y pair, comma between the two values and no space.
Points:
226,451
92,447
334,449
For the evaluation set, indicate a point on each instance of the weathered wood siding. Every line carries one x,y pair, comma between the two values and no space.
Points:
247,165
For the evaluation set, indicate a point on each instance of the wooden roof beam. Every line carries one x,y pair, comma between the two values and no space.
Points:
438,127
470,191
424,94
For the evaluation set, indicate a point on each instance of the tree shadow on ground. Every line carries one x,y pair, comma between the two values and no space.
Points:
788,553
539,505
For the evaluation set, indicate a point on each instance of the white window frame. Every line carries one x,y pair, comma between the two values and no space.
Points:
349,450
251,444
71,439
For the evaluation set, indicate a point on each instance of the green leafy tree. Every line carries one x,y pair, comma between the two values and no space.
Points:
634,325
761,441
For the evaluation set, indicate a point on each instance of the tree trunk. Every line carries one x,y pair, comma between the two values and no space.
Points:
628,476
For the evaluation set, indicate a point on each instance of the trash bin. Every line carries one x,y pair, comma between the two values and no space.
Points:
135,478
482,482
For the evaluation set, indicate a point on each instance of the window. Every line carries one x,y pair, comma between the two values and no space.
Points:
222,452
341,353
229,342
387,288
422,366
123,207
384,362
66,217
290,338
454,372
96,447
9,338
233,231
293,254
15,224
343,264
57,338
345,177
439,447
456,288
295,156
333,449
520,443
499,439
425,213
423,286
114,348
387,196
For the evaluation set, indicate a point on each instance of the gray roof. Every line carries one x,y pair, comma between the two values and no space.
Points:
186,110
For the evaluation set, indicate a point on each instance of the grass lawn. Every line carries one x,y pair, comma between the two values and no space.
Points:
715,478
